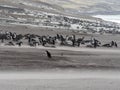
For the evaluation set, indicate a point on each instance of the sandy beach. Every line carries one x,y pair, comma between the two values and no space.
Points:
59,45
34,58
71,68
77,69
84,80
76,84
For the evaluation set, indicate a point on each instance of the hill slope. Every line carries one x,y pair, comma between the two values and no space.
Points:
41,13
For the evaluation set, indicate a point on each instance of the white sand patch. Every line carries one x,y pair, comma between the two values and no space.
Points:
71,84
64,74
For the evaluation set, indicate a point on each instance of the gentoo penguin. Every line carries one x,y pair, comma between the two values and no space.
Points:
48,54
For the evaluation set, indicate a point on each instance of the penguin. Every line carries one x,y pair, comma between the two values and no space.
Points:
115,44
48,54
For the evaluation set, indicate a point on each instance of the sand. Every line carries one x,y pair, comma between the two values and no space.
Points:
28,68
62,81
60,77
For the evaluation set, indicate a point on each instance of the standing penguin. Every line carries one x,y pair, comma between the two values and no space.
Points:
116,45
48,54
95,43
